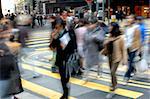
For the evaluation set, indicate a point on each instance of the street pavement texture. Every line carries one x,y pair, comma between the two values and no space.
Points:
40,83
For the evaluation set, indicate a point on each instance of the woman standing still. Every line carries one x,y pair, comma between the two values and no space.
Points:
116,53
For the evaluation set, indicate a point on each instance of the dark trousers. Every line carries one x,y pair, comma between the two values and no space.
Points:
131,56
113,69
64,81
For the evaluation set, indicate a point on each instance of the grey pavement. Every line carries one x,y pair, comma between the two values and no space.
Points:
38,60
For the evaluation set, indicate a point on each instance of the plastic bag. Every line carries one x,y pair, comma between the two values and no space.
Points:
141,65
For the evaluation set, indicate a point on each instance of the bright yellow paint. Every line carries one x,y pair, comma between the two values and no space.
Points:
41,90
92,85
107,79
42,49
48,66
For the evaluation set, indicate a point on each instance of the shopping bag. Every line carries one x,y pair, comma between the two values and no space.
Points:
73,64
141,65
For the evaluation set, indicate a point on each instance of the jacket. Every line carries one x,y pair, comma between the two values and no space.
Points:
118,52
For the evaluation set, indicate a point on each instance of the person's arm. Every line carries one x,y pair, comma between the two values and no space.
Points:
123,51
137,36
1,52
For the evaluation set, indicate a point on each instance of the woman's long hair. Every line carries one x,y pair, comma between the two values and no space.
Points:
115,30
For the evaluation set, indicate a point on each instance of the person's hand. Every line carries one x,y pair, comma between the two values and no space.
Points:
62,46
1,53
108,41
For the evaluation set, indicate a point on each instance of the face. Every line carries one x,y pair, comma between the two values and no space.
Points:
92,26
110,28
58,27
76,20
130,19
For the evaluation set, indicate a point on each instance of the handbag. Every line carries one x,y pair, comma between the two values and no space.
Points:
73,63
141,65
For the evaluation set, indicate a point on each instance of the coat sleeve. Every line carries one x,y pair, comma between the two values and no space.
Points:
123,51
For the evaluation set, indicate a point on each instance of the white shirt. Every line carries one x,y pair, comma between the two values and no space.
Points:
129,34
80,34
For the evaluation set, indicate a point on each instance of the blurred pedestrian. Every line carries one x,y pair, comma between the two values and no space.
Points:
93,40
142,28
33,20
116,52
76,22
80,34
10,82
23,26
41,20
133,44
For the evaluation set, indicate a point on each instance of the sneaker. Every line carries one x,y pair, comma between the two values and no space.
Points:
110,95
54,69
113,88
126,80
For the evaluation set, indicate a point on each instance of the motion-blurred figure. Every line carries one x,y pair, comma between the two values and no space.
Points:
93,40
10,82
23,23
133,44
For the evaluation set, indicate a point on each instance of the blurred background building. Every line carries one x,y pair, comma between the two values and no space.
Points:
139,7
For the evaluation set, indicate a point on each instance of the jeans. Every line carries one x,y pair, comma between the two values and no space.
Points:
131,56
4,89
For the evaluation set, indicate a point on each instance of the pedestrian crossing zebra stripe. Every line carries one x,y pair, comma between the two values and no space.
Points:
104,66
43,49
37,42
37,39
120,81
91,85
41,90
39,45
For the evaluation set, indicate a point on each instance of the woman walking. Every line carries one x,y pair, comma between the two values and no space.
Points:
116,53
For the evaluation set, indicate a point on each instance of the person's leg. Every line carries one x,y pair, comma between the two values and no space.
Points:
130,63
111,94
113,75
110,66
64,82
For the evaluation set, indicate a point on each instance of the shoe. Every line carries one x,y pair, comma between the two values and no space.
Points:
15,97
110,95
64,97
54,69
113,88
126,80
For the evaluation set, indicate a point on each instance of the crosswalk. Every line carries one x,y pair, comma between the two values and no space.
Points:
31,64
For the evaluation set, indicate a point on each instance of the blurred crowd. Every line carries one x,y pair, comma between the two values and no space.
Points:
79,43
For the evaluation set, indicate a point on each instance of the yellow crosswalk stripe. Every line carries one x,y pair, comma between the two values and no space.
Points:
38,37
38,45
51,94
120,81
122,68
42,49
48,66
91,85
